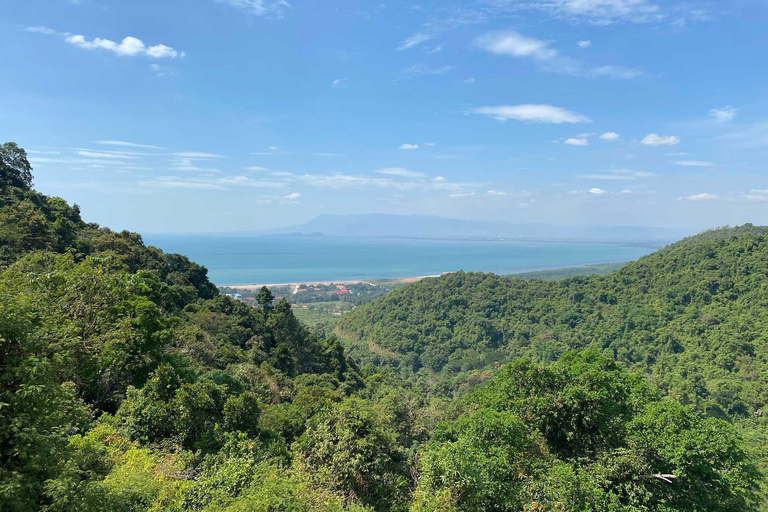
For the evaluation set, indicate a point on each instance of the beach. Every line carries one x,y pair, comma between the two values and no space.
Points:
254,287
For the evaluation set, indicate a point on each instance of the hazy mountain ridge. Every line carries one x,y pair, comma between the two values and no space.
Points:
428,226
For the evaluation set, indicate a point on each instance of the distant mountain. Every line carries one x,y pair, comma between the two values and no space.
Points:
426,226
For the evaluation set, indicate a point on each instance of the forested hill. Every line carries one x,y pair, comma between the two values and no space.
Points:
691,316
128,384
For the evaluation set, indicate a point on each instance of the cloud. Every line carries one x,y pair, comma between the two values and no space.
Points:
42,30
577,142
260,7
439,179
292,197
532,113
182,183
757,195
420,69
415,40
220,183
129,46
597,191
469,80
610,136
619,175
598,12
495,193
408,146
123,143
197,155
693,163
723,115
661,140
703,197
245,181
584,44
111,155
515,44
613,71
341,181
399,171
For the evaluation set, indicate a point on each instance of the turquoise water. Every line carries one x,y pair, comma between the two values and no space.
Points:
241,260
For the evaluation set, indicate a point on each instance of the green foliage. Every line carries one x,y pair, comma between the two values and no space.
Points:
349,449
582,435
128,383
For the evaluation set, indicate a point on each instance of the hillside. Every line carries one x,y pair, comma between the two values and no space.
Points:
129,384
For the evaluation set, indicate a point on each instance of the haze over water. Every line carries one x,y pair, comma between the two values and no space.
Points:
242,260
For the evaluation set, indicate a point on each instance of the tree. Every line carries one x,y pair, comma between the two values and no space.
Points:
15,169
265,298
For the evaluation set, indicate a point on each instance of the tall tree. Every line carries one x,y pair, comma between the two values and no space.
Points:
15,169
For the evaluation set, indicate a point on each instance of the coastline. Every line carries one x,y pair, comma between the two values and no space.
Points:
404,280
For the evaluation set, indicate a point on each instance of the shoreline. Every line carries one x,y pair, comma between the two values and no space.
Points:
253,287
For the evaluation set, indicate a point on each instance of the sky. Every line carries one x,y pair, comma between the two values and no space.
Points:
230,115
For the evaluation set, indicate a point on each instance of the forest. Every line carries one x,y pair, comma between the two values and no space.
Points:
128,383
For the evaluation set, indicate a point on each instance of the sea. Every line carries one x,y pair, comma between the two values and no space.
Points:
246,260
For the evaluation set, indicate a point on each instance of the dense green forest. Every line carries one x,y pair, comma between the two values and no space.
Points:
129,384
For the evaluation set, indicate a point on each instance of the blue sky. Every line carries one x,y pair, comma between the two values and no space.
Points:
227,115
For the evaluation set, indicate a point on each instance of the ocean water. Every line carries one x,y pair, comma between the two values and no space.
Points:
243,260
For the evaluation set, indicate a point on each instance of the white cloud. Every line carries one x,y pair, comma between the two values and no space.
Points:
182,183
123,143
613,71
496,193
92,154
469,80
197,155
292,197
439,179
584,44
532,113
723,115
516,45
129,46
409,146
420,69
340,181
577,142
693,163
245,181
42,30
599,12
260,7
256,168
400,171
597,191
610,136
619,175
703,197
415,40
757,195
661,140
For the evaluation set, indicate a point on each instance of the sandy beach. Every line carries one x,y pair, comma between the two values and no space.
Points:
252,287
